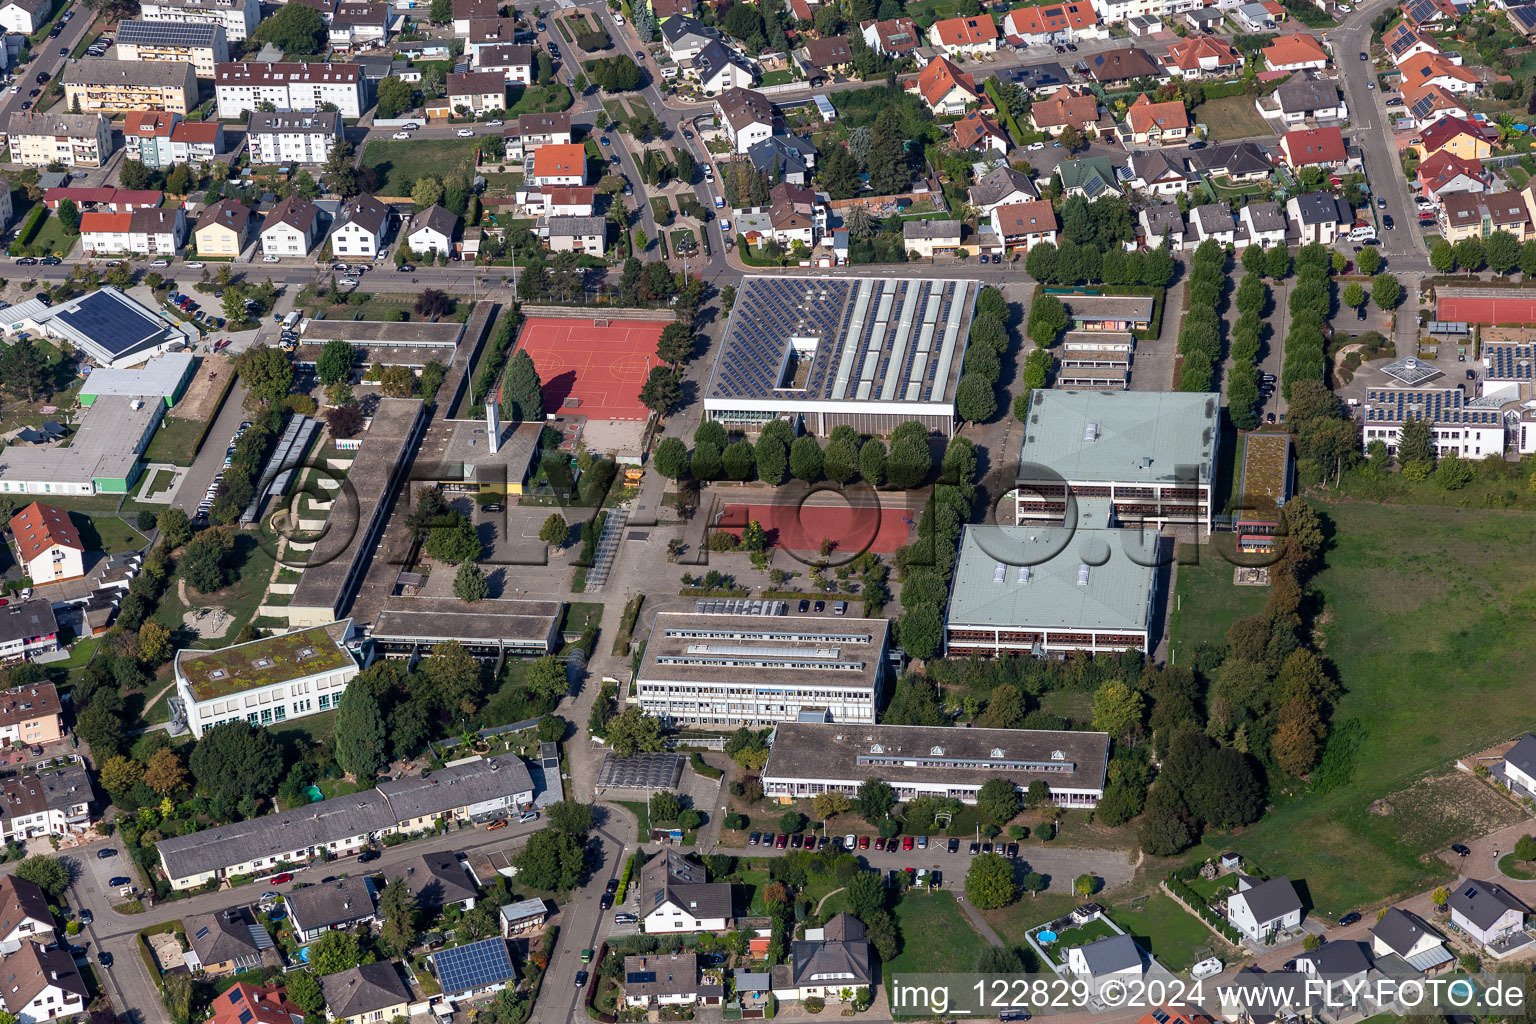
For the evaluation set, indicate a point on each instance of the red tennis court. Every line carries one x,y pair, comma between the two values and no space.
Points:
801,527
600,367
1486,309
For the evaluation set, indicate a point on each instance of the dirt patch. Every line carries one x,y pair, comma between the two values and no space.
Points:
1441,809
1381,808
167,951
201,399
205,622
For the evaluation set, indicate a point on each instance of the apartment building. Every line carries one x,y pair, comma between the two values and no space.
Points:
74,140
530,131
238,17
268,681
224,229
204,45
477,92
242,87
293,137
142,232
119,86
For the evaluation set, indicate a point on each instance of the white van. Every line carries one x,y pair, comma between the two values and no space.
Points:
1365,233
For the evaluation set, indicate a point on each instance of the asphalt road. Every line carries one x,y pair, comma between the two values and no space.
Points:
211,458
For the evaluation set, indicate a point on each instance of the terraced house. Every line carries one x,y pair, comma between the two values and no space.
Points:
118,86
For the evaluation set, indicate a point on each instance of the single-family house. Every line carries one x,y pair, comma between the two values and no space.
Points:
977,131
577,234
1064,108
1162,223
224,942
1486,912
1089,177
1520,760
964,36
360,228
1157,172
1403,934
1261,909
1212,220
683,37
944,87
677,896
291,228
465,11
1041,79
1121,65
829,55
432,231
1318,216
1434,69
476,969
1115,959
1446,174
1429,104
1429,12
893,37
1237,162
531,132
560,165
1522,18
1023,225
1458,136
1304,97
719,69
1313,147
25,17
928,238
1155,124
661,979
317,909
1202,57
784,158
1000,187
24,914
1295,52
831,960
1263,223
747,116
1403,41
38,984
437,880
1049,24
477,92
366,995
1338,969
244,1003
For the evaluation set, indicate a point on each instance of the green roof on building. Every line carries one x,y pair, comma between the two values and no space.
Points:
273,659
1121,436
1053,577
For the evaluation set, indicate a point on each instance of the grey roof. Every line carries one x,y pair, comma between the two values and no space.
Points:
375,986
1266,216
1305,93
102,71
842,957
272,834
1319,208
75,126
1340,957
504,55
669,877
931,229
1523,754
1163,220
457,786
1031,577
906,754
1139,436
785,154
1042,76
435,879
331,903
436,218
1157,164
286,122
1271,900
573,227
294,212
23,620
222,936
366,212
522,910
651,771
743,107
681,26
999,183
1401,930
685,647
169,33
1483,903
1111,954
1234,158
710,60
675,974
429,619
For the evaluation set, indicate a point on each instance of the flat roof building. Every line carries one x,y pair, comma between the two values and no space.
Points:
102,457
1109,312
918,760
268,681
1151,453
166,376
721,671
1049,590
106,326
490,629
868,352
1456,426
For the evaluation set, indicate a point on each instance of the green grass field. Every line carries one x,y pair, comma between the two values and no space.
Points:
1426,612
1206,603
107,533
253,562
936,936
173,442
1231,117
52,238
539,99
399,164
1169,932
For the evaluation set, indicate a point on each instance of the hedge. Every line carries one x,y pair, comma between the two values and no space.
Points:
703,767
629,870
30,229
1191,899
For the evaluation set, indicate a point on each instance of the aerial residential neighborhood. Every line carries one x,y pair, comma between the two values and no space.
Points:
700,510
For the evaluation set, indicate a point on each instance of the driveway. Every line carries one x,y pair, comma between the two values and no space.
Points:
210,458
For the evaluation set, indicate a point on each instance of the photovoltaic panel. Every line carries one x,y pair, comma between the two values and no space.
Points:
475,966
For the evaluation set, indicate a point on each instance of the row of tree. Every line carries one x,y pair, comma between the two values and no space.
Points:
1310,303
847,457
1252,302
927,563
1200,334
976,391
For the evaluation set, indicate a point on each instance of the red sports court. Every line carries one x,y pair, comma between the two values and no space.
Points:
1486,309
802,527
598,364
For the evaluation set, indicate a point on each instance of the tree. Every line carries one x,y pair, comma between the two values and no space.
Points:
469,584
453,539
676,344
1117,709
1442,256
1354,295
396,95
633,731
997,801
829,805
1047,319
298,31
570,816
334,363
397,908
1525,848
555,530
875,800
24,369
989,882
552,860
69,215
155,645
1369,259
662,390
521,390
866,894
120,774
1163,832
1277,262
335,952
362,745
47,873
975,398
547,678
1085,886
1297,735
202,563
165,774
1470,255
267,372
398,382
871,461
737,460
433,303
671,459
345,420
236,759
1414,443
1386,291
1503,251
805,459
303,987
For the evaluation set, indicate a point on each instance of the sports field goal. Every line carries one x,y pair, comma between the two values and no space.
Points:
599,322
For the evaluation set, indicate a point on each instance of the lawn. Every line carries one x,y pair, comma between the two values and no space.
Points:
1231,117
1172,934
661,209
108,533
1014,922
1427,611
253,561
1082,935
783,77
52,238
1206,602
319,728
923,915
399,164
540,99
174,441
162,482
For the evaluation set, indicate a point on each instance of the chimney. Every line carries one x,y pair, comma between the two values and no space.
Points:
493,424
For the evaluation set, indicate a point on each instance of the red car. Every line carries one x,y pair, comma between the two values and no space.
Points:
906,843
863,842
781,842
280,879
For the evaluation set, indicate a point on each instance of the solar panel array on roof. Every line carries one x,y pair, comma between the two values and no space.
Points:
1441,406
166,33
1510,362
478,965
103,319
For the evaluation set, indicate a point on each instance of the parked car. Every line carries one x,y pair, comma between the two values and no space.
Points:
401,135
119,880
498,823
975,849
581,978
1348,919
953,846
368,855
86,917
605,901
466,133
105,959
108,852
280,879
625,919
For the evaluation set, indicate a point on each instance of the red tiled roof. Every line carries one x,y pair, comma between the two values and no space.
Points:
1187,53
105,222
1065,106
39,527
1313,146
1031,218
1032,21
1442,132
148,123
1145,116
196,132
1443,167
1296,48
559,159
966,31
939,77
975,127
